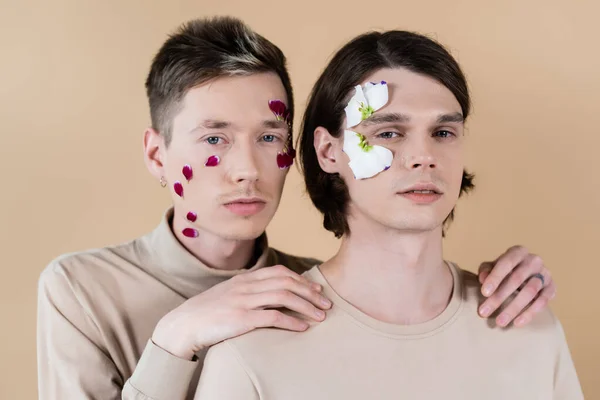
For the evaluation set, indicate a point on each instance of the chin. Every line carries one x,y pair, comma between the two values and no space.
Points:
415,224
416,227
244,229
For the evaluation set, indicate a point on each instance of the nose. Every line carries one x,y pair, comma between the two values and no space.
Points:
420,162
242,164
419,155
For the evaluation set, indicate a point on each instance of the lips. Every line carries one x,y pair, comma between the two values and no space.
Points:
246,200
422,191
245,206
422,188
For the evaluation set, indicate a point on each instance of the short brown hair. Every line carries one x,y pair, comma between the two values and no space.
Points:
356,60
205,49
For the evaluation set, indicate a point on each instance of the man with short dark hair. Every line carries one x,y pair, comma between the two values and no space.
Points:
134,320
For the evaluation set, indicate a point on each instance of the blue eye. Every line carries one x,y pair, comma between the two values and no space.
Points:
269,138
444,134
213,140
387,135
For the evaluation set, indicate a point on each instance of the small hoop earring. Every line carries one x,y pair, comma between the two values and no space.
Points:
163,181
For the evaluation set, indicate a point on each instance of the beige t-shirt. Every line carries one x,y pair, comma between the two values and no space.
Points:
97,310
351,356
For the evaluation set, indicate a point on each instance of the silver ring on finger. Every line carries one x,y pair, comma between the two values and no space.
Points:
539,276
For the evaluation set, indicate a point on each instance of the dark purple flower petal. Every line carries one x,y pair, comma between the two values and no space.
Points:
187,172
190,232
386,167
178,187
191,216
212,161
383,82
285,160
278,108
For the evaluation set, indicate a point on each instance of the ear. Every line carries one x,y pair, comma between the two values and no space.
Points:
154,148
327,149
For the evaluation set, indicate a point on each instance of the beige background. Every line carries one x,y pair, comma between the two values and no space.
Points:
73,110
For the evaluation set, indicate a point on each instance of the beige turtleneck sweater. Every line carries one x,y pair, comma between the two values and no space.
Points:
97,310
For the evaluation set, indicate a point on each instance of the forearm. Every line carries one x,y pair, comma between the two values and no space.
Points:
159,375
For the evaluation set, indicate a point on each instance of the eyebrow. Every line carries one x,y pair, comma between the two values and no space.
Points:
376,119
218,124
274,124
212,124
385,118
454,117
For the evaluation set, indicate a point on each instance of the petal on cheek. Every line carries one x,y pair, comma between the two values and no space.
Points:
366,161
178,187
191,216
285,160
212,161
190,232
187,172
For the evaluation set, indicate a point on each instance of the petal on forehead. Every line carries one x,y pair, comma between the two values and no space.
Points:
377,95
278,107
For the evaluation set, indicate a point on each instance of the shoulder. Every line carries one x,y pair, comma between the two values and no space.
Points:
84,270
83,263
295,263
260,341
226,376
267,350
470,285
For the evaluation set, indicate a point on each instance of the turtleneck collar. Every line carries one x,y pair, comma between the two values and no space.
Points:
179,269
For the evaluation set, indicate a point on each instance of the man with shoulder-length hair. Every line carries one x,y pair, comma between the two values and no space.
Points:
382,148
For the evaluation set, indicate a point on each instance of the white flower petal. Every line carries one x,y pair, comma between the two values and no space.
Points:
384,155
353,115
376,94
351,144
368,166
365,164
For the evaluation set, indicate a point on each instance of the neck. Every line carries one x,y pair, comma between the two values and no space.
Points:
214,251
397,277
